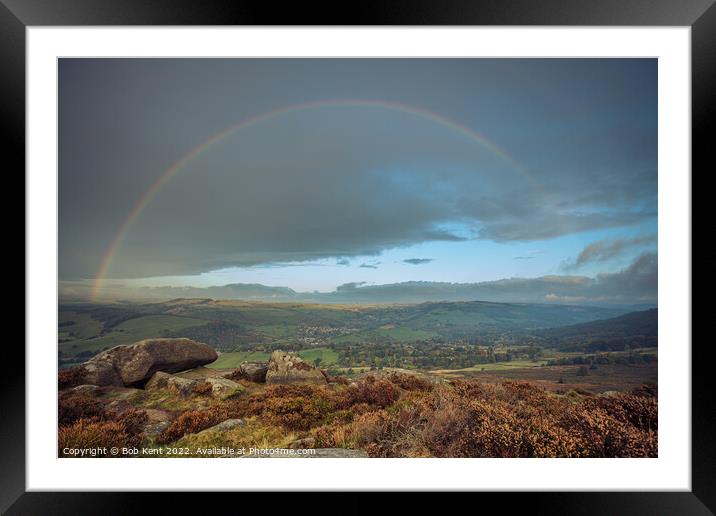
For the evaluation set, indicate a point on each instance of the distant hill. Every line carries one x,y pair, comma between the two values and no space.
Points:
635,329
246,291
246,325
564,290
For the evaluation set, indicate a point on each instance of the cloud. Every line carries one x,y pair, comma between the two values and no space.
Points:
369,265
343,261
523,258
606,249
418,261
349,286
345,181
635,284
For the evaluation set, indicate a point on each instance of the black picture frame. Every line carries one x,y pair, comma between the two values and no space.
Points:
17,15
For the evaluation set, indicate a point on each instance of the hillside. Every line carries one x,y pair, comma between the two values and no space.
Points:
635,330
86,328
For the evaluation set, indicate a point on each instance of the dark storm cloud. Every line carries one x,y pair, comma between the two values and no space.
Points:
344,181
418,261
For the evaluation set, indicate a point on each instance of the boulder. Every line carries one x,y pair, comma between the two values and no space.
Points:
155,427
223,387
157,381
183,386
224,426
136,363
201,373
285,368
253,371
158,421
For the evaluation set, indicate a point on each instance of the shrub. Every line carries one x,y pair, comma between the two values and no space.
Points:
86,433
72,407
202,389
302,407
410,382
70,377
293,407
511,419
132,420
340,380
378,392
191,422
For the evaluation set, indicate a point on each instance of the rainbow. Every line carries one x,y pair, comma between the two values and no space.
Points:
175,168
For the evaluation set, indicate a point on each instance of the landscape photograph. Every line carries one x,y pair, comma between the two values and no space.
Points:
357,258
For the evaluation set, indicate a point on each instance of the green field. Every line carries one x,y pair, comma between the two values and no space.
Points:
328,356
232,359
77,325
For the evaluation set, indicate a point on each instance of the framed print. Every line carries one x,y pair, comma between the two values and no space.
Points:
440,249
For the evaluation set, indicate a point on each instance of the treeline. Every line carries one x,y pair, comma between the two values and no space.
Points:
426,355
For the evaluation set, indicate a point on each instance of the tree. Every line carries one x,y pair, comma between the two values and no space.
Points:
317,361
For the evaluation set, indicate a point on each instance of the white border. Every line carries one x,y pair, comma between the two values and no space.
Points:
671,471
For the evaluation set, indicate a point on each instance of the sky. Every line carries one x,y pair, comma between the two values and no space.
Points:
320,173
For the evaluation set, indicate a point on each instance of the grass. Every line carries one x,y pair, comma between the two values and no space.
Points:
233,359
252,435
167,399
158,323
328,356
83,326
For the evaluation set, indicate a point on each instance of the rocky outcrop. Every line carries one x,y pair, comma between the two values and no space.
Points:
137,363
285,368
162,380
183,386
158,421
224,426
157,381
253,371
223,387
201,373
